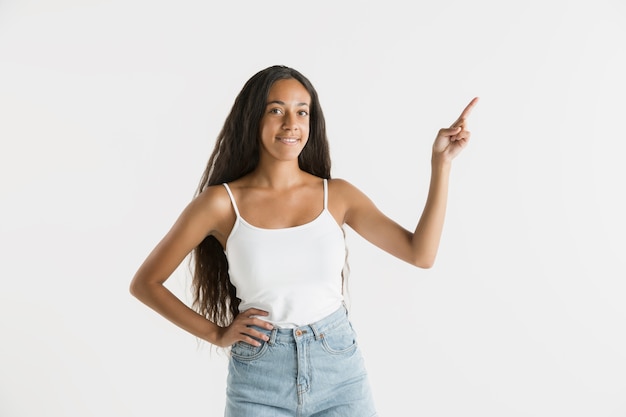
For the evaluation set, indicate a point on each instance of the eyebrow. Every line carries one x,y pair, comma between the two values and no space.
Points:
282,103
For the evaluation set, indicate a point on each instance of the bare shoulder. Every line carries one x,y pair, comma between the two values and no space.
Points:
343,190
340,185
214,199
212,211
338,182
344,198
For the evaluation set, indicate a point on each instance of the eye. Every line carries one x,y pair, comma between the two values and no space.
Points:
303,113
275,110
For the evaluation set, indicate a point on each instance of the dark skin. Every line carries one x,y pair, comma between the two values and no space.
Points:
278,194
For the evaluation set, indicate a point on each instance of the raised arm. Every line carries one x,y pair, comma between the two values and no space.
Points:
420,246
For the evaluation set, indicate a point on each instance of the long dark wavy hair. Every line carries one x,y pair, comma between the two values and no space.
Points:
236,153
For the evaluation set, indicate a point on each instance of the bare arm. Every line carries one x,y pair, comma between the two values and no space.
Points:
208,214
420,246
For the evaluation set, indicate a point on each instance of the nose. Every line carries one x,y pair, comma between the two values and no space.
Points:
289,121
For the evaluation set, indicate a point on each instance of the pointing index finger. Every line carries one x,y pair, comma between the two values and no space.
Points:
466,112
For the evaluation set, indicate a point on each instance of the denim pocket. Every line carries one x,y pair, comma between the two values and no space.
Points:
339,340
245,352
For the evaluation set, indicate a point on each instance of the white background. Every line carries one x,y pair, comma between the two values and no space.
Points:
109,111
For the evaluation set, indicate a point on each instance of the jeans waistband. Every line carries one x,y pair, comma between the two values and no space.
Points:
310,331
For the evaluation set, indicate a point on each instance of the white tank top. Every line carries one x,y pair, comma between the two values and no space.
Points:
293,273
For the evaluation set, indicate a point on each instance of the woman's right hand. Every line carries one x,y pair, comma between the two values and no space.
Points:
240,329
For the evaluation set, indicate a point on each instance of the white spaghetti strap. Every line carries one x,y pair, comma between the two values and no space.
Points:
232,199
325,194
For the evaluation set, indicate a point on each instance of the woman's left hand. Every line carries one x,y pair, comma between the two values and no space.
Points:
451,141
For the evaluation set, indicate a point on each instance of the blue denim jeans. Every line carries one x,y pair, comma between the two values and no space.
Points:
310,371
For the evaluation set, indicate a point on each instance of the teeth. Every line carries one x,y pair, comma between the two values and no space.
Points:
288,140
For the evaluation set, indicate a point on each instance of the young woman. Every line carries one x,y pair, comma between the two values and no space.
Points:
266,238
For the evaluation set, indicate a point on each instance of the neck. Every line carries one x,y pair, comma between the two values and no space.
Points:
278,175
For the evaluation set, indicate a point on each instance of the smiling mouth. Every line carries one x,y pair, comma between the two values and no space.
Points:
288,141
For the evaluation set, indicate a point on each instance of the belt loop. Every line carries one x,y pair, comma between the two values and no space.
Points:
316,332
272,337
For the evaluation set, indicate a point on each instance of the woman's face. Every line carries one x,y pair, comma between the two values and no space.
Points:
284,127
